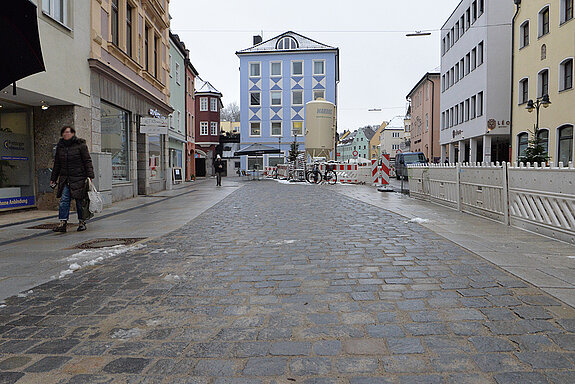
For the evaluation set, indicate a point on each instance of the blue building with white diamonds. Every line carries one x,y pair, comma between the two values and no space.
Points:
277,78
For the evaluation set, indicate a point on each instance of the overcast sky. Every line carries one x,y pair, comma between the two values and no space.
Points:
379,65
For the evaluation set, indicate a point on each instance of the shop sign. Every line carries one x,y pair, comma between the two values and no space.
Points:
154,125
17,202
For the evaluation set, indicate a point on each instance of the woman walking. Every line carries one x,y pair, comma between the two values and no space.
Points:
72,166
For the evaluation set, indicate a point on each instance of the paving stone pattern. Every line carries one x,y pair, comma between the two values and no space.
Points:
289,284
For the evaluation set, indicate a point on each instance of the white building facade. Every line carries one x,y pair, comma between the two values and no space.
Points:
392,137
475,82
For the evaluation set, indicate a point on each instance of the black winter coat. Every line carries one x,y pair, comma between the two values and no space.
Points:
219,165
72,165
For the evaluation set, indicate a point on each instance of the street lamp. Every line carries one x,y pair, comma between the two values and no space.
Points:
531,105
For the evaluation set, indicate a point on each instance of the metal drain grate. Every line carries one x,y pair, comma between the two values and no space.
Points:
51,226
103,243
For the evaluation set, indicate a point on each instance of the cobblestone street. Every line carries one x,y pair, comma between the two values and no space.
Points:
281,284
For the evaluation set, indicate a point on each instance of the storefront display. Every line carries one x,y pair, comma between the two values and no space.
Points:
115,123
155,157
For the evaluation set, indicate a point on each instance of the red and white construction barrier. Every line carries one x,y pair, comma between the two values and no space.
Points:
269,171
385,168
375,172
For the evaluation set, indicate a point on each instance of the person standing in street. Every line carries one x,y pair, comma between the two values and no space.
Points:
72,166
219,164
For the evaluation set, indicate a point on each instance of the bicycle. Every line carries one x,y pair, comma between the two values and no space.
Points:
315,176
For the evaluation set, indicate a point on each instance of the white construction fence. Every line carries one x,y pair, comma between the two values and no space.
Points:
537,198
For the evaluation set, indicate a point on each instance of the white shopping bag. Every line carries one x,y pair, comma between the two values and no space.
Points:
96,202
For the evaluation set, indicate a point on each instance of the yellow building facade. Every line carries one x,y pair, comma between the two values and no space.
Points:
375,141
544,48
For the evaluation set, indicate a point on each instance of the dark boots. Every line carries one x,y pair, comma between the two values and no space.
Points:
82,226
61,227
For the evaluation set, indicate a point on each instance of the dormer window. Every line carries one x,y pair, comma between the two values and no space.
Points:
287,43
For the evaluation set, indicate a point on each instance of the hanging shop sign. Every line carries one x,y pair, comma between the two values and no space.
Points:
154,125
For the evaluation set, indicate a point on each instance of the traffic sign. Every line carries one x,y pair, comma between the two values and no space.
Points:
355,153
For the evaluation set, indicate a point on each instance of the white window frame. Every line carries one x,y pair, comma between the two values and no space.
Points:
540,33
517,142
313,67
213,104
271,68
292,127
204,128
522,42
272,93
272,130
480,53
480,104
204,104
250,101
562,74
283,41
562,15
540,81
259,64
318,90
171,64
49,9
520,90
213,128
302,68
178,73
259,126
178,121
293,98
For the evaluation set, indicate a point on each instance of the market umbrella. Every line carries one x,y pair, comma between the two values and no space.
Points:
19,42
257,149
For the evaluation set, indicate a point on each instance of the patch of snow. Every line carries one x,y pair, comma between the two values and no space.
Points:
172,278
25,294
153,323
419,220
284,242
571,257
126,333
2,305
90,257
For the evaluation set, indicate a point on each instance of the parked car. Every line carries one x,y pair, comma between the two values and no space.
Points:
402,160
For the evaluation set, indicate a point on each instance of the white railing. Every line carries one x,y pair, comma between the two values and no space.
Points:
536,198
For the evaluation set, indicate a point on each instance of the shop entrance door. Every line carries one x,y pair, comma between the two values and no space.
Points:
200,167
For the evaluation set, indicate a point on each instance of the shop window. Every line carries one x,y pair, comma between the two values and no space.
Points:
273,161
255,162
155,157
115,140
565,149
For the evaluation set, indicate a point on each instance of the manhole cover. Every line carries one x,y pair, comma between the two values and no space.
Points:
50,226
103,243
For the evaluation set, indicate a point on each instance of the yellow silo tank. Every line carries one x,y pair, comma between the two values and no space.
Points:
320,129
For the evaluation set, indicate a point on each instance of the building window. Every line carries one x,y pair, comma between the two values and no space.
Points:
467,63
467,19
203,104
155,157
179,121
297,128
457,31
213,104
473,59
451,119
481,7
276,128
178,73
274,160
543,83
255,162
462,68
524,35
213,128
566,10
565,144
204,128
297,68
115,140
255,70
319,94
443,47
456,72
543,136
156,56
522,143
129,15
255,99
276,68
147,48
456,114
276,98
467,112
480,54
319,67
480,104
443,126
287,43
473,106
461,112
566,75
56,9
462,25
474,11
297,98
452,36
255,129
114,21
448,41
544,21
523,91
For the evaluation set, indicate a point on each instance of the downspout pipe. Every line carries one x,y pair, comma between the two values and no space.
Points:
518,8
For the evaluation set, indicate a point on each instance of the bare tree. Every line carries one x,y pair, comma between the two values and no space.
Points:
231,112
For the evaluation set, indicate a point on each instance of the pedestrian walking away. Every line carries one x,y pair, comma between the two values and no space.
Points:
72,166
219,164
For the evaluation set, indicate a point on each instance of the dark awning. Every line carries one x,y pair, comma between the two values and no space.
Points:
19,42
257,149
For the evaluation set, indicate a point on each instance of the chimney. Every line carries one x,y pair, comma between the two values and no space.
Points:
257,39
